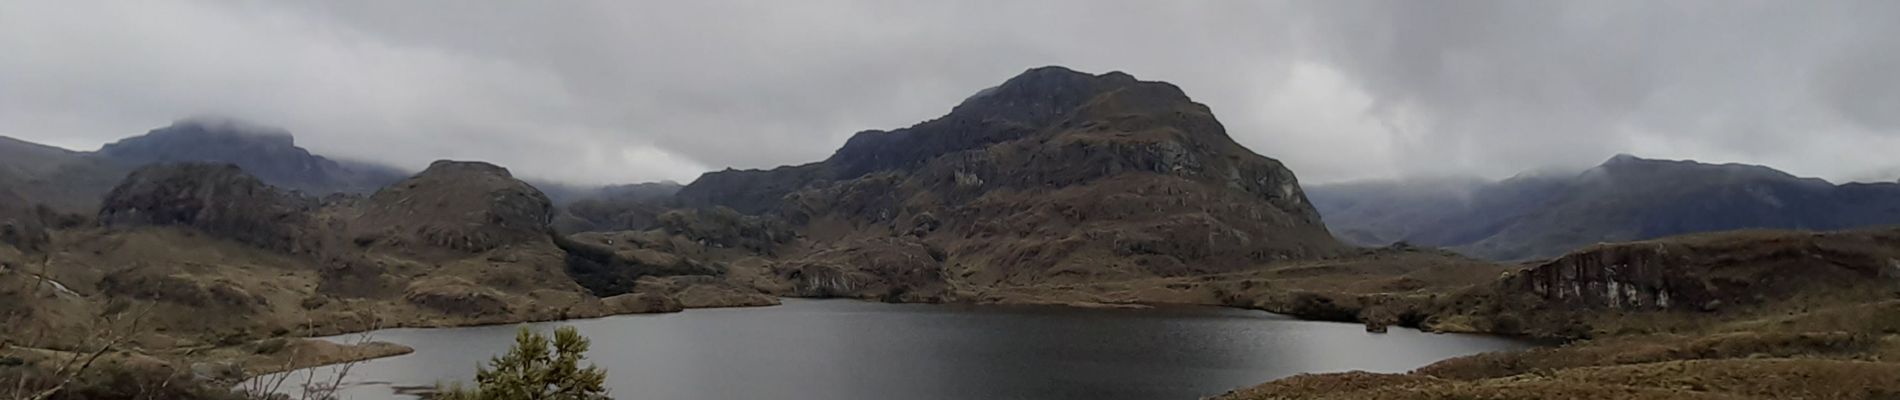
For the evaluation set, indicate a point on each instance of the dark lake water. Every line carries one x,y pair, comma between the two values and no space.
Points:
842,349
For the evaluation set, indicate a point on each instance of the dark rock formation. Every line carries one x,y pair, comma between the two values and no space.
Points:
610,264
466,206
1709,272
888,269
218,199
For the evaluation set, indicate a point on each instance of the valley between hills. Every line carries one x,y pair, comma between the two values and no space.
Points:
207,249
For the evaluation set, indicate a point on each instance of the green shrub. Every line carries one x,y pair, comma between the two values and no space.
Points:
537,369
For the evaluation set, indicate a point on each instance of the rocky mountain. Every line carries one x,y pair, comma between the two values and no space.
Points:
467,206
76,181
1053,176
1626,198
269,153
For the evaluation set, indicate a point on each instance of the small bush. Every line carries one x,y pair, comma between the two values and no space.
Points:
534,370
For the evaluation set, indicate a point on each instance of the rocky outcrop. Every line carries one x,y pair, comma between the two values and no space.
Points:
465,206
218,199
1709,272
888,269
610,264
1678,283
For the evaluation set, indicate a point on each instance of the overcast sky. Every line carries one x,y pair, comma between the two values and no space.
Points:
626,91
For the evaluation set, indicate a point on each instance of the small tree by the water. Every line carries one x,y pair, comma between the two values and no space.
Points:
533,370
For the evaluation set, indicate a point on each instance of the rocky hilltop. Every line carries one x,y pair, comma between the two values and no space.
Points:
1626,198
467,206
218,199
1053,176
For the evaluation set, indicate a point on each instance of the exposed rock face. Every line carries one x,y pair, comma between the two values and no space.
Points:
218,199
888,269
1708,272
1626,198
1053,175
1681,283
466,206
269,153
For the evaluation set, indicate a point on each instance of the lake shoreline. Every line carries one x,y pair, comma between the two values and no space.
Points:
1034,311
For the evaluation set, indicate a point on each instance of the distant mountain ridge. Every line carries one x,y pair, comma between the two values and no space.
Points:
1625,198
76,181
269,153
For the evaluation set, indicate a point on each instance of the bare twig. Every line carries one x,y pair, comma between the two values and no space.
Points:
73,368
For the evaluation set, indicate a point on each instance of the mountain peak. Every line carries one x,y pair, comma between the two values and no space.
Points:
463,205
270,153
205,139
224,128
1041,95
1622,158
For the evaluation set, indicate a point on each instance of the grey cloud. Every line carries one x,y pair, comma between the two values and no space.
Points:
615,91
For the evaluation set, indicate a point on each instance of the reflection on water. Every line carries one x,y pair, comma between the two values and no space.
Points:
842,349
